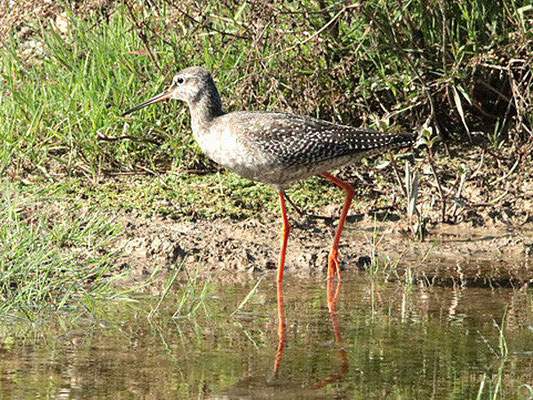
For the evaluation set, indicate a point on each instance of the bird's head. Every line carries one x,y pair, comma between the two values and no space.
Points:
189,85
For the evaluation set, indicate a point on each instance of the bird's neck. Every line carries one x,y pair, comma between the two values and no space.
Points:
205,108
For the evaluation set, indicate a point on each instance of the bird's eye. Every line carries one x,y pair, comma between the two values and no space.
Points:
180,80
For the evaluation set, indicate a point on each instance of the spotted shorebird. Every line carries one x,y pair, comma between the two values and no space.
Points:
275,148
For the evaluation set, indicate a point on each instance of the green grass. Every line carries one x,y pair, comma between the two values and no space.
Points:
64,93
178,196
58,98
50,256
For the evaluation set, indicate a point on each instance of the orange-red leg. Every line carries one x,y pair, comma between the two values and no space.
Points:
334,265
285,237
281,268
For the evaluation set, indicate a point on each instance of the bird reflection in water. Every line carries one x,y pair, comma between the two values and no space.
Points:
333,293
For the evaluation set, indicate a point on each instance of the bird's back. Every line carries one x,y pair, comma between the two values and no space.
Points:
296,140
279,148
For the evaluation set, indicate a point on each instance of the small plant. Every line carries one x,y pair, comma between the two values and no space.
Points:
416,224
501,352
430,140
194,294
380,266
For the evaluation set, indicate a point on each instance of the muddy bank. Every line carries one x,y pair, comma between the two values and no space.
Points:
459,254
487,240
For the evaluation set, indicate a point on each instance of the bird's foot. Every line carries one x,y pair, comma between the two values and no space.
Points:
334,265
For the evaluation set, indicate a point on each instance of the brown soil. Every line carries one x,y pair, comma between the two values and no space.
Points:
452,254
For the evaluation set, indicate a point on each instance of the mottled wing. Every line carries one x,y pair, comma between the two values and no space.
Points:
299,141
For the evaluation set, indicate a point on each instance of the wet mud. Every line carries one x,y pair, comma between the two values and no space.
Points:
456,255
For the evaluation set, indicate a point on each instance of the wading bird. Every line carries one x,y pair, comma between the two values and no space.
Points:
275,148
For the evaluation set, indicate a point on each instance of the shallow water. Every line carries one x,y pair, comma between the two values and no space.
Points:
384,341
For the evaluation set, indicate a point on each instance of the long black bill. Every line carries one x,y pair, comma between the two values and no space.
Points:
167,94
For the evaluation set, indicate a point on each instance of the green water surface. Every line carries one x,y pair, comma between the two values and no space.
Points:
394,342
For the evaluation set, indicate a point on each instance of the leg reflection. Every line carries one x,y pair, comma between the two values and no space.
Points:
333,298
281,328
333,295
